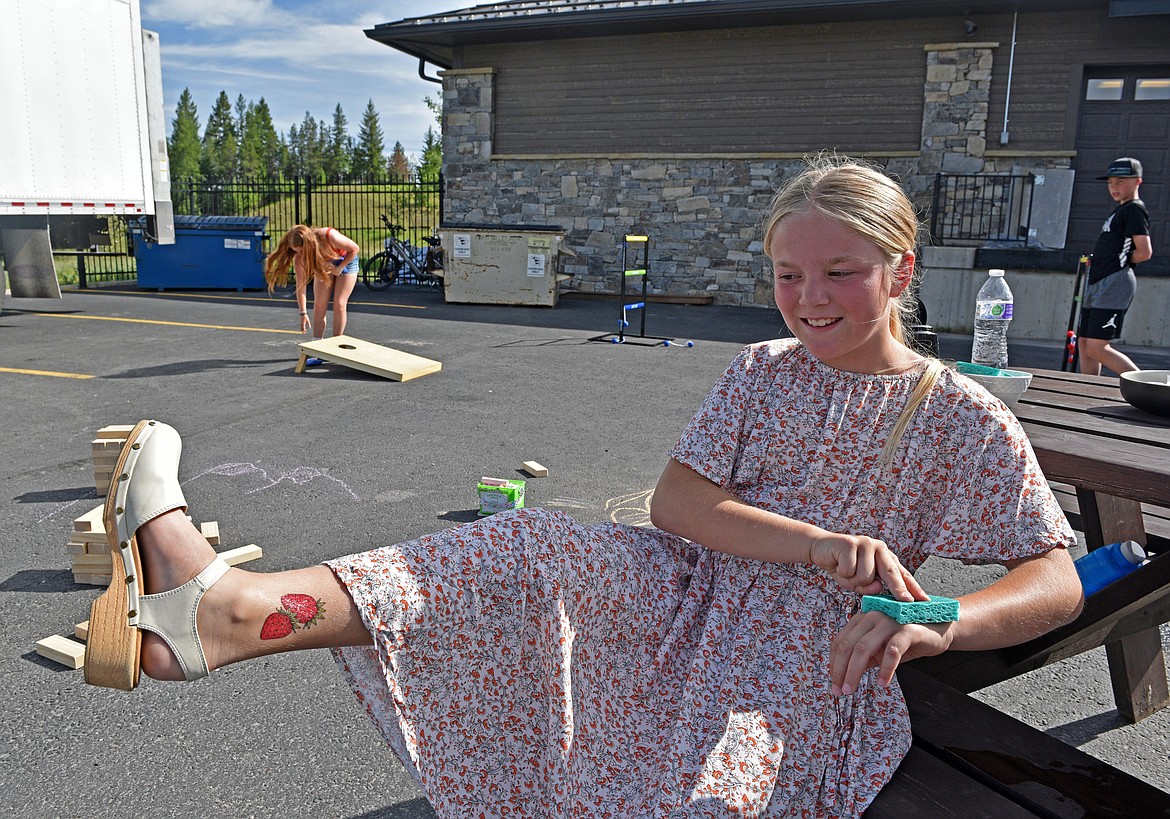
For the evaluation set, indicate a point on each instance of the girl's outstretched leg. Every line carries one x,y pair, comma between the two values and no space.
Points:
244,614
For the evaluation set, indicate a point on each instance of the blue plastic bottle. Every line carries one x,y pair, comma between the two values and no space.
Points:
1101,567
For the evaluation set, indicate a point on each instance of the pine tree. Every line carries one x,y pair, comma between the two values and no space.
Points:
271,147
305,148
220,141
431,164
338,149
250,162
241,112
322,149
289,159
370,150
399,164
184,148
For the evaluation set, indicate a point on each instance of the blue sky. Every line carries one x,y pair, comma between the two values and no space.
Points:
299,55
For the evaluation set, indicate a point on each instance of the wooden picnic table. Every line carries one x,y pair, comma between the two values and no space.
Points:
1117,458
968,759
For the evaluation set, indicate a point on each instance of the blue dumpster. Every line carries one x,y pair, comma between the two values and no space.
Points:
209,253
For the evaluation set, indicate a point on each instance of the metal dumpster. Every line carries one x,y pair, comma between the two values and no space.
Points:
209,253
501,264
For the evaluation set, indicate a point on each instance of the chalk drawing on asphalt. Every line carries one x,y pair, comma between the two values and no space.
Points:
299,476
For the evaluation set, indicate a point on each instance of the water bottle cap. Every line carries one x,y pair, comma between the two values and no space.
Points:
995,272
1133,551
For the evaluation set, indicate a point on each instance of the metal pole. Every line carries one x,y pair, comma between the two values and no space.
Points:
934,215
1007,100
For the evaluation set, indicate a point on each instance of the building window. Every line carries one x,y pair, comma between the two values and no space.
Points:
1152,89
1105,89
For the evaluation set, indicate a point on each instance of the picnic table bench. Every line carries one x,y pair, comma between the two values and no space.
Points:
1112,466
971,760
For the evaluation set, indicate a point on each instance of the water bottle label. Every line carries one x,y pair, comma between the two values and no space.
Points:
994,310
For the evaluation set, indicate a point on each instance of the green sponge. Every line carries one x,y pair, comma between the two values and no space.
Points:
934,610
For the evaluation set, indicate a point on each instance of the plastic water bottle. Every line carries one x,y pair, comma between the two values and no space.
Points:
1101,567
993,314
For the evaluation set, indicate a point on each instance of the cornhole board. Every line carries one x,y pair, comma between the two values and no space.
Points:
371,358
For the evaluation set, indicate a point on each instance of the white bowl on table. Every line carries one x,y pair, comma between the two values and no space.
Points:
1147,390
1006,385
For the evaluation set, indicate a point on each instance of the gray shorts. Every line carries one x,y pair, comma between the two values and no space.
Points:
1114,292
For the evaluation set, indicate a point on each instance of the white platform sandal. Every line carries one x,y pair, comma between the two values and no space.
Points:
146,484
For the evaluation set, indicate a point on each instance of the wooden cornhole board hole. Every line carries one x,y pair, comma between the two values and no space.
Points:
371,358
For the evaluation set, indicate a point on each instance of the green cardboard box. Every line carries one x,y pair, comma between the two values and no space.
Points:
493,497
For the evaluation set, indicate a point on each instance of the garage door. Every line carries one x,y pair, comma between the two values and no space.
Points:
1125,111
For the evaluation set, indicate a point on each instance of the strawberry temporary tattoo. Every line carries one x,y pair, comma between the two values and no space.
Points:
304,608
296,610
278,624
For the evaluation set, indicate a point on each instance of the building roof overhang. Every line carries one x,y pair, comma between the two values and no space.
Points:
435,38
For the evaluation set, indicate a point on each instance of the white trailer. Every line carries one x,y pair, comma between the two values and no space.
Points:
82,128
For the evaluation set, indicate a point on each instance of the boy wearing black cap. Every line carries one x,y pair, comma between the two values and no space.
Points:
1123,243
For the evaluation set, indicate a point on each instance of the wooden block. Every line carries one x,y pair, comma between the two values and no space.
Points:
91,521
242,554
92,564
91,579
371,358
535,470
87,545
210,530
62,650
115,431
81,630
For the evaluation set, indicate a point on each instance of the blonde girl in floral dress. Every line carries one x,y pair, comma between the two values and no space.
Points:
714,664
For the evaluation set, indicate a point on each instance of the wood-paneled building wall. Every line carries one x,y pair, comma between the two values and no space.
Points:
681,127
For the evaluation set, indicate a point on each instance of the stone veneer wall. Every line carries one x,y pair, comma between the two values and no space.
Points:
702,212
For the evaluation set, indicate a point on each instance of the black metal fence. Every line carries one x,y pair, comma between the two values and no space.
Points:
982,208
977,209
353,208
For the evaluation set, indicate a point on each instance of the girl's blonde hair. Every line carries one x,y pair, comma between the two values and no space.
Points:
861,197
316,259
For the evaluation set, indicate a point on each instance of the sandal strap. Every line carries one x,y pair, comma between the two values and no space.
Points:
136,501
171,615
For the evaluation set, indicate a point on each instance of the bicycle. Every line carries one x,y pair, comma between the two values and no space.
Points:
400,257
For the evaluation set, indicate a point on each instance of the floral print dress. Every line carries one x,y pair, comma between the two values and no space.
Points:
525,665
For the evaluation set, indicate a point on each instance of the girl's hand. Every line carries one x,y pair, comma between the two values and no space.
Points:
864,565
873,640
305,323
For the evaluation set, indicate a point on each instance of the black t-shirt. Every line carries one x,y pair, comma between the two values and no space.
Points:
1115,242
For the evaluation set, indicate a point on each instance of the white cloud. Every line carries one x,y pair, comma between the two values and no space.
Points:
212,13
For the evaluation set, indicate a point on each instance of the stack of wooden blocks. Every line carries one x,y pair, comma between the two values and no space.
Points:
106,448
90,549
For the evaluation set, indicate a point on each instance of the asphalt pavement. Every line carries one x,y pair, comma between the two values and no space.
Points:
333,461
